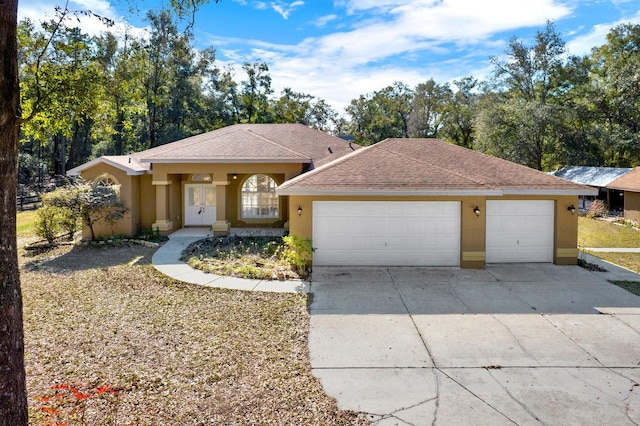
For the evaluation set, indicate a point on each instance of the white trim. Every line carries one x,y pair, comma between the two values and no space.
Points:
226,160
440,193
585,191
130,172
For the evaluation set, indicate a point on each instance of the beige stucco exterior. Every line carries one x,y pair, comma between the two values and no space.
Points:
632,206
472,244
156,200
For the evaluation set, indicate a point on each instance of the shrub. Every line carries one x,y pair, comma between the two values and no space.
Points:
48,222
297,252
89,202
598,209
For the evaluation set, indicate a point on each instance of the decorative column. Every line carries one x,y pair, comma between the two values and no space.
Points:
222,225
163,222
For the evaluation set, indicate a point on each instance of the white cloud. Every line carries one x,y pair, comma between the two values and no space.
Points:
343,65
582,45
38,11
284,9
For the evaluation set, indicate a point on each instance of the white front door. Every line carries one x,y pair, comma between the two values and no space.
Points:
199,204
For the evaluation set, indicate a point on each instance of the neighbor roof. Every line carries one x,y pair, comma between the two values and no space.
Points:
426,167
253,143
599,177
627,182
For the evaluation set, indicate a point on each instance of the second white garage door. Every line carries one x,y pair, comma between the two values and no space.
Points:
386,233
519,231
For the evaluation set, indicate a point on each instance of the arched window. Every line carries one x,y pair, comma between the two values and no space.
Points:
106,180
201,177
259,199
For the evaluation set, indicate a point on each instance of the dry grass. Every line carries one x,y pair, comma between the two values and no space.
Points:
180,354
626,260
599,233
26,223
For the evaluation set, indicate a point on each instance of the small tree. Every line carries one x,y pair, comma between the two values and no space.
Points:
89,202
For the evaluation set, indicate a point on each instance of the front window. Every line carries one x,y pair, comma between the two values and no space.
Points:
259,199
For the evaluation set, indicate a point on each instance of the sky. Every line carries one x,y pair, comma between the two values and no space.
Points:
337,50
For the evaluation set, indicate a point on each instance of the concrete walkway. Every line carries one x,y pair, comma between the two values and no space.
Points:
167,260
613,249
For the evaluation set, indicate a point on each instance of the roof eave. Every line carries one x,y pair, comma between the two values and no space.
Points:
438,193
226,160
388,193
580,191
130,172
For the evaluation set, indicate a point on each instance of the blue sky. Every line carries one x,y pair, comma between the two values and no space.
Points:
337,50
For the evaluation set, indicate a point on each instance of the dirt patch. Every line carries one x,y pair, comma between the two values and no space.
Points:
70,257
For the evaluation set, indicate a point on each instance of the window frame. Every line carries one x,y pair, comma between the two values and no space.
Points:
264,202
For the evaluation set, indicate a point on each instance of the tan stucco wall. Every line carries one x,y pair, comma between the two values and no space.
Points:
228,204
129,192
147,202
632,206
473,228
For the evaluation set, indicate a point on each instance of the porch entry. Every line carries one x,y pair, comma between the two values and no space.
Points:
199,204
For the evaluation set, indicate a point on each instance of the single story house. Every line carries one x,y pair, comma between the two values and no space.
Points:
398,202
596,177
629,183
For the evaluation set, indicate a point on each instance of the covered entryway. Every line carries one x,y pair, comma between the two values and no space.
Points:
519,231
389,233
199,204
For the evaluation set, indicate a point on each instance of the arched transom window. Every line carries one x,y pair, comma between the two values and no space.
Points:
259,199
106,180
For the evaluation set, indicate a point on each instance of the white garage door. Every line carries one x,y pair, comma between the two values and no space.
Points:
519,231
385,233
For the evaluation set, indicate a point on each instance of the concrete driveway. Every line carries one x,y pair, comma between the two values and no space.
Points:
512,344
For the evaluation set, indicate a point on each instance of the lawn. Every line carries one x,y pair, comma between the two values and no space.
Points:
602,234
109,340
599,233
26,223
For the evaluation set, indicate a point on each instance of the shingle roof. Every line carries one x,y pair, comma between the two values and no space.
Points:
425,166
627,182
127,163
599,177
253,143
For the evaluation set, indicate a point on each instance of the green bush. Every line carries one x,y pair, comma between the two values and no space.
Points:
297,252
48,223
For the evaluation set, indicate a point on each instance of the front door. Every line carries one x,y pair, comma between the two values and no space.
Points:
200,204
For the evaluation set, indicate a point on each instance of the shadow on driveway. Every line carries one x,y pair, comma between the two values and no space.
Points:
498,289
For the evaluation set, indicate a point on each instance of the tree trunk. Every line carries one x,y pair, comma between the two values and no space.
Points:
13,389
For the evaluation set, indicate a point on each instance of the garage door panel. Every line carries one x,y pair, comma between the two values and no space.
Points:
519,231
386,233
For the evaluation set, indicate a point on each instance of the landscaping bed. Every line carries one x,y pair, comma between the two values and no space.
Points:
252,257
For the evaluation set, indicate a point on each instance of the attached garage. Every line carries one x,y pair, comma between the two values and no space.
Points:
424,202
390,233
520,231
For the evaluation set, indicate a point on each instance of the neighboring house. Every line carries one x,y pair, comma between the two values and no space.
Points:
630,185
596,177
399,202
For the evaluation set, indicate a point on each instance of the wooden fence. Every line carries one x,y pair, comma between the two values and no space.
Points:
28,202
